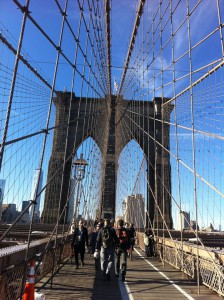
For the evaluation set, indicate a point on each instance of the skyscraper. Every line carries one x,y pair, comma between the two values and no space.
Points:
134,211
35,190
25,218
183,220
9,212
2,188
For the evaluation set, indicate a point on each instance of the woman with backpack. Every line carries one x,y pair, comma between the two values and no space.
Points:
105,243
122,246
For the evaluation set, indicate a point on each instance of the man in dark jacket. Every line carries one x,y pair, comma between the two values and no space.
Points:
80,239
132,239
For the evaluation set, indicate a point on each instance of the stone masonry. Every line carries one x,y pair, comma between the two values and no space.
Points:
109,124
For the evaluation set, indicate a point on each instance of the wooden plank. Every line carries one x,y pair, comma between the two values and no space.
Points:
143,281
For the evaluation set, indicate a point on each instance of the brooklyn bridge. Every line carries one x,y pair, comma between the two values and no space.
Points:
112,110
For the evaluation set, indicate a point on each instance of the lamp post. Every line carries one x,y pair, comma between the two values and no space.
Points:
80,166
124,207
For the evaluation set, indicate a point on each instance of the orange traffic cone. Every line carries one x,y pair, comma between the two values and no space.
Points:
26,292
29,287
31,280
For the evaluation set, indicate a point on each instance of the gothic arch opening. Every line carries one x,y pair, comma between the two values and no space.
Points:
86,200
131,191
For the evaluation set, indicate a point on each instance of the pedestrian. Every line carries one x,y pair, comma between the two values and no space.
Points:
123,244
151,244
146,242
80,240
105,243
132,239
126,225
92,244
96,222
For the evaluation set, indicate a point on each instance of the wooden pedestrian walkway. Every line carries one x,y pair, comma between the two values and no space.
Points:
146,279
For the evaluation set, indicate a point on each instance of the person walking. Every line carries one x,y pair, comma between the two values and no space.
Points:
80,240
147,243
151,244
123,244
132,239
96,222
105,243
92,244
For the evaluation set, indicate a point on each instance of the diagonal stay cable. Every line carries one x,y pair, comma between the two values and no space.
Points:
132,42
50,128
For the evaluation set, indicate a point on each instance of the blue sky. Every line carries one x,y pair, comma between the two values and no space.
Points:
122,18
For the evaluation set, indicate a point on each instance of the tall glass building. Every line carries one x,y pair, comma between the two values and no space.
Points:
35,190
2,188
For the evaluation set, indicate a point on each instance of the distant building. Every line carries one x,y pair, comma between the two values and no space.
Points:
35,191
183,220
9,212
98,213
2,189
193,225
134,210
25,218
118,218
210,228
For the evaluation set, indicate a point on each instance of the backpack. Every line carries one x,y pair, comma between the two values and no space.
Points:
123,237
106,237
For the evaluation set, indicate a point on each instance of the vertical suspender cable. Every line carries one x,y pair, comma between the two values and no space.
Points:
220,26
154,132
54,80
81,90
193,140
176,130
162,127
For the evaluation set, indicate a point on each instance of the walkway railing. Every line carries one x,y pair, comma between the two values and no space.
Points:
48,259
183,256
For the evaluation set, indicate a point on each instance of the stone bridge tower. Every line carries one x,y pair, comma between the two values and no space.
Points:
104,114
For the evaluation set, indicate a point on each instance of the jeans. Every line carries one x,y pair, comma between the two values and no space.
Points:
121,259
147,250
106,259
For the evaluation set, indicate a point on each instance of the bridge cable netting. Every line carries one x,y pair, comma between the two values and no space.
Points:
161,129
